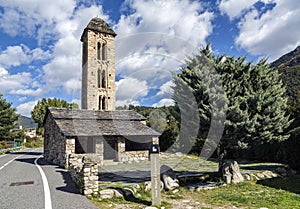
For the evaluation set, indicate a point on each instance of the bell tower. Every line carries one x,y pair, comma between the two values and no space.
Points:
98,66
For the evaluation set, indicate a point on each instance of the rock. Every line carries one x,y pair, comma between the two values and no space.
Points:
136,187
106,193
260,175
169,178
247,177
178,154
231,173
254,177
118,193
148,186
268,174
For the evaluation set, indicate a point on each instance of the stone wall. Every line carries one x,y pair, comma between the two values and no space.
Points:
90,90
134,156
56,146
83,169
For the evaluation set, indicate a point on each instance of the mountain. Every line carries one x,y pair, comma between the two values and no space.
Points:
26,122
288,60
289,67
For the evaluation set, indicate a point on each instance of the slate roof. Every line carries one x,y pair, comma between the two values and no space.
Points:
97,24
100,123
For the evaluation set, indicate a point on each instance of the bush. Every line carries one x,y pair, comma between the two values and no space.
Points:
3,145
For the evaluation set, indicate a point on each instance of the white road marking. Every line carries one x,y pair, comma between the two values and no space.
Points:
48,204
12,159
9,162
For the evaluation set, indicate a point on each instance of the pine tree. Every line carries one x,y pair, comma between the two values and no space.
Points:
254,99
8,120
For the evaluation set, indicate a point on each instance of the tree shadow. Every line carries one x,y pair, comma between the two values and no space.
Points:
125,176
291,183
25,153
132,198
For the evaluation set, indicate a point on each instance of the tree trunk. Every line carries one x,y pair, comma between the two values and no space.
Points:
221,157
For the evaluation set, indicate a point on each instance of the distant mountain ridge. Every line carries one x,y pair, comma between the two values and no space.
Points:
289,67
288,60
26,122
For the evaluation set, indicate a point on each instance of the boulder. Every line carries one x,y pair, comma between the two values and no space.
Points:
106,193
148,186
231,173
169,178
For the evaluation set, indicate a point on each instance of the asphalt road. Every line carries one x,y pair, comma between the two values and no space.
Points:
26,182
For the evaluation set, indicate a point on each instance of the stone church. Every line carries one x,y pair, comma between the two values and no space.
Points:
97,128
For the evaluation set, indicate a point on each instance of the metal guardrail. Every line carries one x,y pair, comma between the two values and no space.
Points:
9,149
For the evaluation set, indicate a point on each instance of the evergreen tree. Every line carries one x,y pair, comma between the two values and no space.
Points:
8,120
39,111
255,100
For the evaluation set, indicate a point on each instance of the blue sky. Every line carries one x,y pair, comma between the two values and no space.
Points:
40,49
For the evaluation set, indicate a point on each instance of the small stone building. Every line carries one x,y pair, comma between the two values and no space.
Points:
98,127
114,135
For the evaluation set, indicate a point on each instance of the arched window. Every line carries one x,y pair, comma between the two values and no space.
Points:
99,78
103,80
99,102
103,103
98,50
104,51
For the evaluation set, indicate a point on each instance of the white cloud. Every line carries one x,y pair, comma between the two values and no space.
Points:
18,55
164,102
28,92
64,70
273,33
130,90
25,108
235,8
166,89
57,27
187,19
13,56
157,40
13,82
31,17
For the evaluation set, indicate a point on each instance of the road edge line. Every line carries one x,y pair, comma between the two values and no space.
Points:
48,203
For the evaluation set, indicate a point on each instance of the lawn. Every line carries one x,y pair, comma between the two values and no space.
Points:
273,193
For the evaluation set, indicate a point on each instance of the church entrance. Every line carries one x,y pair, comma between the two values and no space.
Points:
110,149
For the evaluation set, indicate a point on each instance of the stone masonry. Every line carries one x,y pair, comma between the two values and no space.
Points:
83,169
98,66
56,146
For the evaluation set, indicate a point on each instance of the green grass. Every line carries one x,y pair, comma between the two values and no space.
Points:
287,184
273,193
253,195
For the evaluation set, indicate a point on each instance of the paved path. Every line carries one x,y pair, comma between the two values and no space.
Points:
27,183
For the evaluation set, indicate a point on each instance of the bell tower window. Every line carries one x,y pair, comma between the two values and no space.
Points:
103,103
104,48
99,78
98,50
103,80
